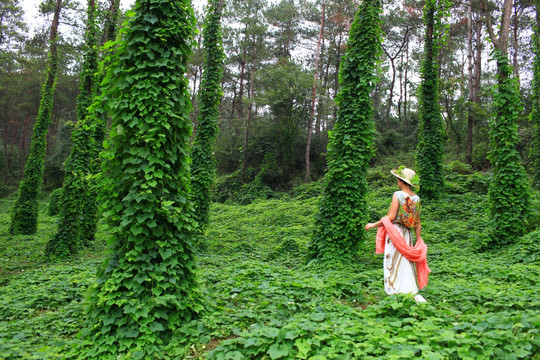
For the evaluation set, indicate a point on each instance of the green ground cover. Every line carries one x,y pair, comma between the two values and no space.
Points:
264,302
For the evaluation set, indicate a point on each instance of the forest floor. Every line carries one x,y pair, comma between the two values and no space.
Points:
265,303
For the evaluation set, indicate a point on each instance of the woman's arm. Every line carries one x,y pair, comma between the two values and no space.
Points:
392,213
418,230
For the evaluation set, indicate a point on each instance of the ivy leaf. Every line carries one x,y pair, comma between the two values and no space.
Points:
277,351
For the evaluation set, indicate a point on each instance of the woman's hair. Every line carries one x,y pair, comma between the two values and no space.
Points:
404,182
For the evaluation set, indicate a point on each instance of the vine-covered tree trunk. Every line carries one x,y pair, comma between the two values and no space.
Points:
204,161
431,135
25,212
338,232
535,112
508,190
66,241
147,288
99,119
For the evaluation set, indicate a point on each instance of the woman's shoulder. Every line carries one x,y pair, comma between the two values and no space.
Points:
400,194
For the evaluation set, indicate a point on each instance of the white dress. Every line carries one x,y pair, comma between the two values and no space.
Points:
400,273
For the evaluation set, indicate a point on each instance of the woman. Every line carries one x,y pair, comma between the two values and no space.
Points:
400,256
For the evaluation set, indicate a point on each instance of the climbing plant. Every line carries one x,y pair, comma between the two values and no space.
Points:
99,120
66,240
147,288
204,161
338,231
25,211
430,148
509,189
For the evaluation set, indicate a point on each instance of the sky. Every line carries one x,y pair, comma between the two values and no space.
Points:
33,20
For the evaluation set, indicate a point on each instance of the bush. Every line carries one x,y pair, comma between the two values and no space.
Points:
55,200
460,168
308,191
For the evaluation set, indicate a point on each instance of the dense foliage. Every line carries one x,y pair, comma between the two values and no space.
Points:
147,287
339,225
430,148
264,302
25,212
509,190
202,152
99,122
55,202
67,240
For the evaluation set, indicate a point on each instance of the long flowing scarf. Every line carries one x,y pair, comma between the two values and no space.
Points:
416,254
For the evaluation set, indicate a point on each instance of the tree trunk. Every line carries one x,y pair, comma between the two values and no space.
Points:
314,96
470,119
241,91
516,44
110,27
406,85
248,122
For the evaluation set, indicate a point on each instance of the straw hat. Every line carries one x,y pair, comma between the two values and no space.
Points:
406,175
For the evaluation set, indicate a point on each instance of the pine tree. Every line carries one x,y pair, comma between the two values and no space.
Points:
25,212
147,288
431,136
204,161
339,231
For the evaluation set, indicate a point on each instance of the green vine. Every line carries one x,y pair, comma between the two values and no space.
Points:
430,148
508,190
66,242
89,206
204,161
25,212
55,199
343,210
147,288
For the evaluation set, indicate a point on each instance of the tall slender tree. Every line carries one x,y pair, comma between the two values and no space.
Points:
25,212
204,161
431,136
535,113
66,240
338,232
314,94
508,190
147,288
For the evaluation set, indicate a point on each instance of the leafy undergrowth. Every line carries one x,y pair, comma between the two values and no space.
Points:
264,302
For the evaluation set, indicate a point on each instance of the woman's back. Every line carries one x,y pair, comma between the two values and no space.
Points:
409,209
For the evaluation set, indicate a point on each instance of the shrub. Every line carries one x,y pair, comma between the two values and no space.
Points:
55,202
460,168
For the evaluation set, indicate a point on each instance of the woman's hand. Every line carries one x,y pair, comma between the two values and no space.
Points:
370,226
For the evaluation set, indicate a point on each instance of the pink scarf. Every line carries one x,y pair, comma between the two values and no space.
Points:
416,254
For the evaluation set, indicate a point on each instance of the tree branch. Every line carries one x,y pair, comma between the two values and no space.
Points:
489,26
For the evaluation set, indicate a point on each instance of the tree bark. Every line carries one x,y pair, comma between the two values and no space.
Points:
516,44
314,96
470,119
241,90
393,82
500,42
249,118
